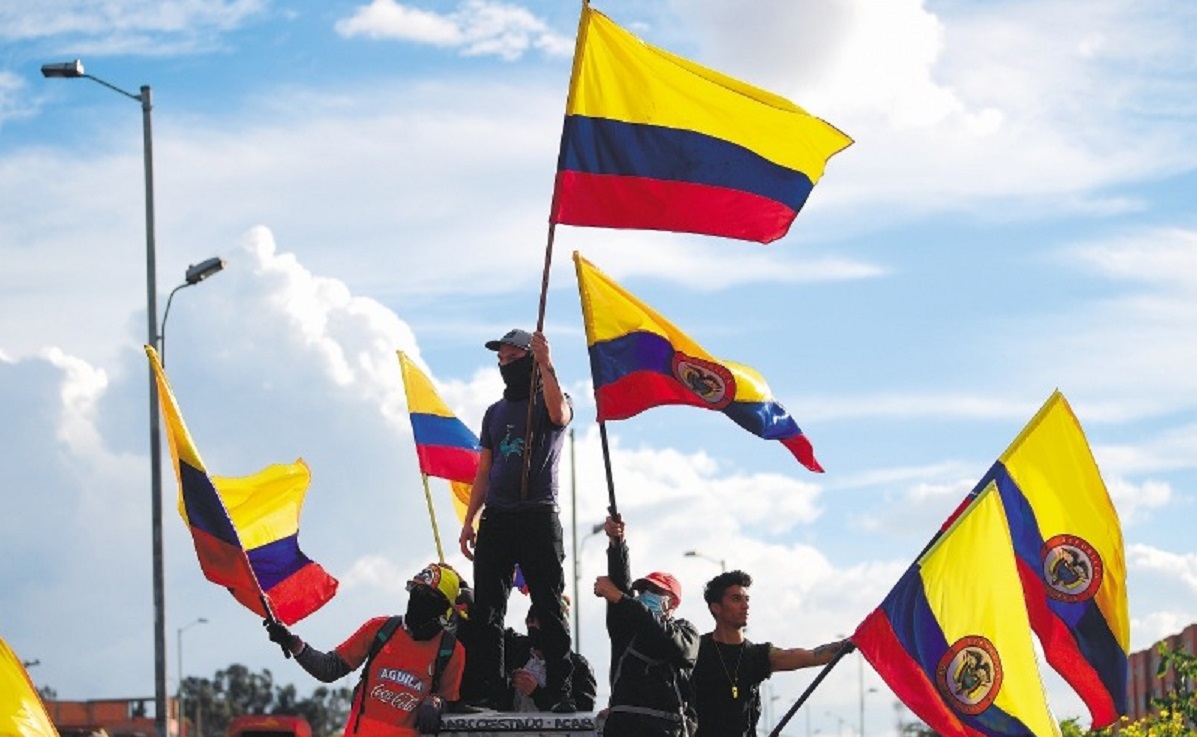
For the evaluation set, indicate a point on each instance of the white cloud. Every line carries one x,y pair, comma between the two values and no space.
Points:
955,106
1135,501
478,28
1178,567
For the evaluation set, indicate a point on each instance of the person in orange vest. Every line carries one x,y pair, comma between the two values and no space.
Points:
411,665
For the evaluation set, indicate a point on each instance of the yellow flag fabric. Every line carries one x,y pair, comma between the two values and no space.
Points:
953,640
22,713
654,141
640,360
1068,541
245,530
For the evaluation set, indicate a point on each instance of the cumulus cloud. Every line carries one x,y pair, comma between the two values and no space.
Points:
1178,567
959,104
303,367
478,28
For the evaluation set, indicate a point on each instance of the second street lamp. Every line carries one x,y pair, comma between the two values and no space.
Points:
195,274
179,657
695,554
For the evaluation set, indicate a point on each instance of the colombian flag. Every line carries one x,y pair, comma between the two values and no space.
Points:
638,360
1068,543
654,141
21,709
245,530
446,448
952,639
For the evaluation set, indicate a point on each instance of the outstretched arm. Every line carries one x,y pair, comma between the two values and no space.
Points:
795,658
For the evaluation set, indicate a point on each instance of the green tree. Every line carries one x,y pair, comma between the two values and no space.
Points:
326,709
211,704
1174,714
1179,699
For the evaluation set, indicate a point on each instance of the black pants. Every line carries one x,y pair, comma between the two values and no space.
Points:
531,538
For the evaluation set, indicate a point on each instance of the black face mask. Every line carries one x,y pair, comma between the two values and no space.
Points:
517,376
425,608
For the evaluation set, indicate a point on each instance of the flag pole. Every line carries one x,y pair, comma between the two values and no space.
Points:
614,511
436,533
579,42
544,292
809,690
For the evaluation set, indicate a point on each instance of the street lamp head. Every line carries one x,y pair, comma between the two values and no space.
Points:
196,273
66,69
202,620
691,554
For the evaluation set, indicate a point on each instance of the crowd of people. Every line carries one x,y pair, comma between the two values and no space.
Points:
451,651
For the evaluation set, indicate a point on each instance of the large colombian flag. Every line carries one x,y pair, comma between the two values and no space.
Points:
1068,544
22,713
952,639
446,448
639,360
654,141
246,530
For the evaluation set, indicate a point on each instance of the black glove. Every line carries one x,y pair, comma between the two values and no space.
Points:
465,600
428,715
279,633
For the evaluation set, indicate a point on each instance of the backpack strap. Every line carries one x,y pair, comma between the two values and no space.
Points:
381,637
443,653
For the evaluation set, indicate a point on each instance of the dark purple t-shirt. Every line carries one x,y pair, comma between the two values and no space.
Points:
503,434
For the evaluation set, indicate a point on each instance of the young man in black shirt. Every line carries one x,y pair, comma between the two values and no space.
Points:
730,669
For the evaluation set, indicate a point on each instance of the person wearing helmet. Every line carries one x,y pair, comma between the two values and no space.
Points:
412,665
730,669
652,651
515,491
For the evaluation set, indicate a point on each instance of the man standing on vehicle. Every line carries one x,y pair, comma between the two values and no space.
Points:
520,524
730,669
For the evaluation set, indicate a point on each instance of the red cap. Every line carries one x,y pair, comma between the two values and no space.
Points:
663,581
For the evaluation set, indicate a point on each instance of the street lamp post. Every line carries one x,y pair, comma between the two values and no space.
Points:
179,658
74,69
594,530
695,554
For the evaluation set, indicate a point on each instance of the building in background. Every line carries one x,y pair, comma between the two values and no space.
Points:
1143,684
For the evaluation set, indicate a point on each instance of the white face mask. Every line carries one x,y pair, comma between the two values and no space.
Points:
655,603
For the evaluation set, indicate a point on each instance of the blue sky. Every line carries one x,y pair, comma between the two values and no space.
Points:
1014,217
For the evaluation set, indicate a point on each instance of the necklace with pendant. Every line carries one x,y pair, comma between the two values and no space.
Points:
732,678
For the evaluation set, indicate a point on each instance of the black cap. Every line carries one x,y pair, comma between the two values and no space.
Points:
521,339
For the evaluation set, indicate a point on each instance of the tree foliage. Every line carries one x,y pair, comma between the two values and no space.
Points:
211,704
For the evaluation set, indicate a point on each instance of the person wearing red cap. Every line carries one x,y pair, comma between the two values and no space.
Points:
730,669
652,651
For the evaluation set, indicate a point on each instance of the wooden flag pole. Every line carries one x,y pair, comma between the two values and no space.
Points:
436,533
544,292
614,510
